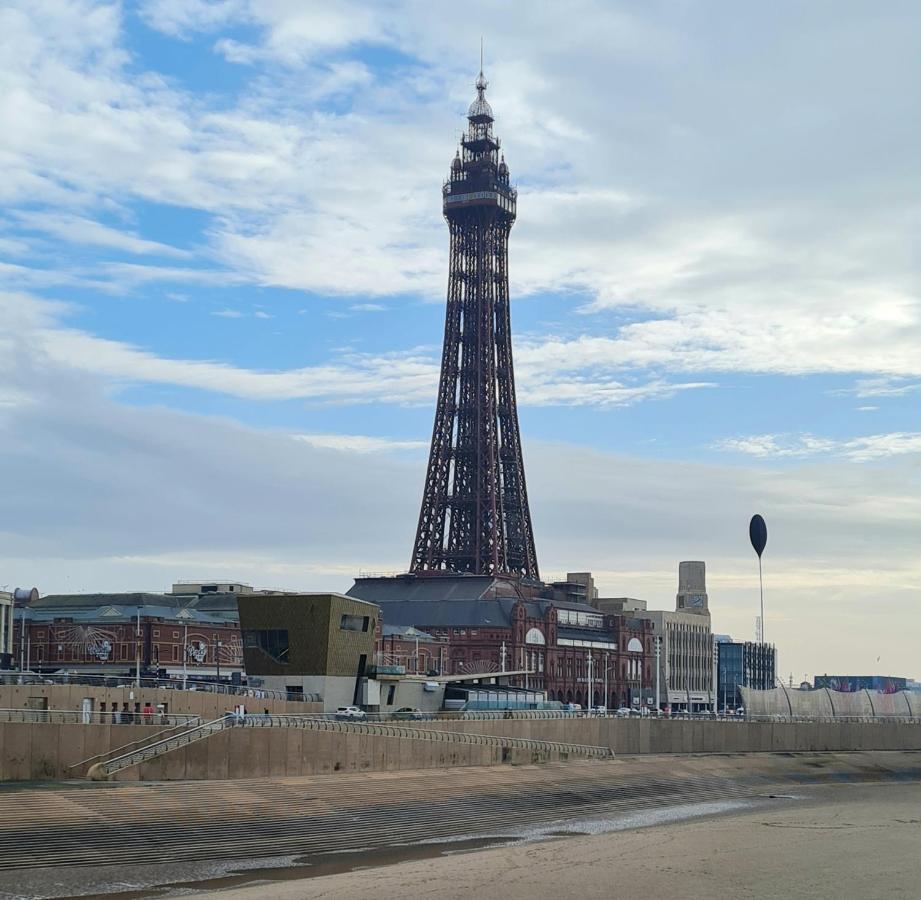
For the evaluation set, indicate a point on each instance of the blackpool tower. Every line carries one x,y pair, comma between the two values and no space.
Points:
475,515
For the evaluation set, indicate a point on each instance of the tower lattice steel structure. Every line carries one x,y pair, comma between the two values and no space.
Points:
475,515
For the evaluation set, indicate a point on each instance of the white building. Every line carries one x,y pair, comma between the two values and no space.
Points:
685,643
6,622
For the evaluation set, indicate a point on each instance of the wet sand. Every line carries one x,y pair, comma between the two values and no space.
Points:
836,843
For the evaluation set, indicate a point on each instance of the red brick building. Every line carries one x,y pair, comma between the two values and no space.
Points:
102,633
574,652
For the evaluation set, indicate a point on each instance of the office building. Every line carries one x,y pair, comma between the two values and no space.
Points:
749,665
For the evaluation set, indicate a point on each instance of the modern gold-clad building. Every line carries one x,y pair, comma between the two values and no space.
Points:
309,643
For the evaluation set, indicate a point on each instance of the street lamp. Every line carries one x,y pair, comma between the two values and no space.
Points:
185,654
217,659
589,701
137,650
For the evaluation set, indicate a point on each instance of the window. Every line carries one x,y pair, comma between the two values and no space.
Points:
175,653
175,634
156,632
271,641
354,623
209,588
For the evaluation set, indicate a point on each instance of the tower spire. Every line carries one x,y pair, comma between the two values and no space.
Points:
475,516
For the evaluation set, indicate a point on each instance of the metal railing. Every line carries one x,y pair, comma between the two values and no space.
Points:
176,684
135,757
127,748
313,723
832,720
104,769
95,717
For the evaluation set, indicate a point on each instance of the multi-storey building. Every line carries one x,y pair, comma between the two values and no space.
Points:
115,633
750,665
488,624
685,651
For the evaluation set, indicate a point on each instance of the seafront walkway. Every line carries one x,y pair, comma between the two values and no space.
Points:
118,824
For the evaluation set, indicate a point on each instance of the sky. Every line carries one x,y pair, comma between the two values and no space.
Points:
223,268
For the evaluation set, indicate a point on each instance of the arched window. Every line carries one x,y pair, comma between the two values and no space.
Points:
635,645
534,636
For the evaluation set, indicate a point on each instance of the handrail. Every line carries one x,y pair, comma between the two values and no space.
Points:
312,723
126,760
406,731
125,747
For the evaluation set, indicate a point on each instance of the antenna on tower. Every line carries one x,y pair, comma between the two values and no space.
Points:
481,54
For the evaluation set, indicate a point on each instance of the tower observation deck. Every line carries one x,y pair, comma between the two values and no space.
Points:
475,515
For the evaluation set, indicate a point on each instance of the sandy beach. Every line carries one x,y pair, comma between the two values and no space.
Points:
840,842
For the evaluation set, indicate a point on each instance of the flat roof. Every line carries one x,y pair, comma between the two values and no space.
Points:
448,679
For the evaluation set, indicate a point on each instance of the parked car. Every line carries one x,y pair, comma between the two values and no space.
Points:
599,710
409,713
623,711
350,712
572,707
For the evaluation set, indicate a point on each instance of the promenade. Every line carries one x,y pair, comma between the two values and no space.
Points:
91,838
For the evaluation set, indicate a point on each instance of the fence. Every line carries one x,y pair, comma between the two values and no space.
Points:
94,717
178,684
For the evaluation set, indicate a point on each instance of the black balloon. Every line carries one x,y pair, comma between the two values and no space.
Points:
757,531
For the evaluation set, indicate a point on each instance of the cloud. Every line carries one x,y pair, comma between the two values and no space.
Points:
734,250
359,443
79,230
105,496
859,449
884,387
740,254
406,377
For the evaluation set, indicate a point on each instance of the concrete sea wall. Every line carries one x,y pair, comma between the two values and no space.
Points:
45,751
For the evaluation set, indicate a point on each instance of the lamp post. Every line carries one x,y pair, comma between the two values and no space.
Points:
217,659
757,533
185,655
588,700
607,669
137,650
658,640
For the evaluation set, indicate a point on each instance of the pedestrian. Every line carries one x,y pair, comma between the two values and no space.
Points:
147,713
126,714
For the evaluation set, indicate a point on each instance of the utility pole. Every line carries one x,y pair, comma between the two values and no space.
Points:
502,653
217,659
185,654
588,700
22,642
137,650
606,668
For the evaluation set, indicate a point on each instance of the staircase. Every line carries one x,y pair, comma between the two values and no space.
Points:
103,770
106,769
